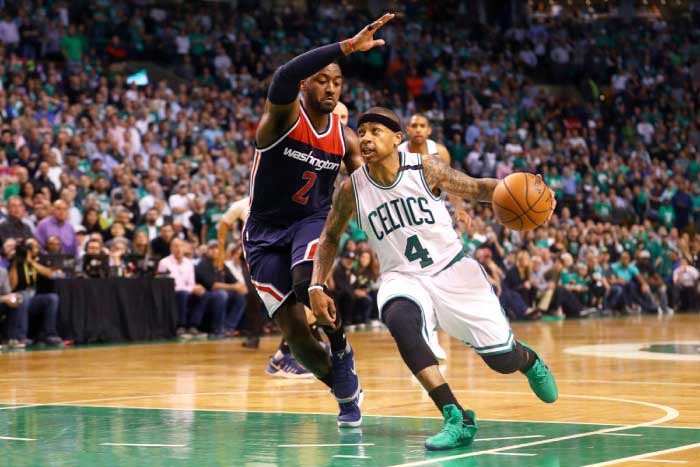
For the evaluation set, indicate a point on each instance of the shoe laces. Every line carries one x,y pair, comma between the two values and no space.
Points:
453,430
348,407
541,372
288,364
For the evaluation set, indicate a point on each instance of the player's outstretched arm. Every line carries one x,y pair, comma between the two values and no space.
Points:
341,212
441,176
282,104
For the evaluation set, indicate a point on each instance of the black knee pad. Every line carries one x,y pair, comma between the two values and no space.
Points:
405,321
509,362
301,279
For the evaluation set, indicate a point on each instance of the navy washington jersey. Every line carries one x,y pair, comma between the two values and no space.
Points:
294,177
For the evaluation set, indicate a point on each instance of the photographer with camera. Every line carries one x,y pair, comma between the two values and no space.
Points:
23,273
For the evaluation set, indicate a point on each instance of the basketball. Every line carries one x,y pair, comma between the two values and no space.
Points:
522,201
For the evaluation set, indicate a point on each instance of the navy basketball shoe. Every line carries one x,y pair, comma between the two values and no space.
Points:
350,415
346,387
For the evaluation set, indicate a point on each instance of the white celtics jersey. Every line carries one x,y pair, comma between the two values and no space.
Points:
430,146
408,227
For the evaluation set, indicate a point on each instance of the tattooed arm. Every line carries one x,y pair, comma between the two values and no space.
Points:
441,176
343,207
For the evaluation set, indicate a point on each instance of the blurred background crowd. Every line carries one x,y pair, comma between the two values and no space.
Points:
104,161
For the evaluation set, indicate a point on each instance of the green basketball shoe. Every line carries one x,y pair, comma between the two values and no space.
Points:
541,380
454,433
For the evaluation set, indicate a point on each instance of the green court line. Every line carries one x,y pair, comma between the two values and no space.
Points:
83,435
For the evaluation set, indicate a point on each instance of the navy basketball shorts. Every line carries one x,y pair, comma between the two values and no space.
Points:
272,251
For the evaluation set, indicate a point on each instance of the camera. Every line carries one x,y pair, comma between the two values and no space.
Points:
22,250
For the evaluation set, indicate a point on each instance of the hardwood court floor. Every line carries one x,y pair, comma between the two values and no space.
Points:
629,395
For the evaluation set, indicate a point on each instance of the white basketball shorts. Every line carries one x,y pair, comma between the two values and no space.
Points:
459,300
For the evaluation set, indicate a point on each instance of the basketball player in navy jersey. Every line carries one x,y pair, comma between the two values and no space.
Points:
299,147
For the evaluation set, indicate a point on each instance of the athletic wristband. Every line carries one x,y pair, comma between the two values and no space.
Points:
352,47
315,287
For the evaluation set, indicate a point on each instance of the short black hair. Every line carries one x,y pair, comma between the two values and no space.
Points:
421,115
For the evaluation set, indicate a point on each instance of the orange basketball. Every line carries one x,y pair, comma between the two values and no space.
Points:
522,201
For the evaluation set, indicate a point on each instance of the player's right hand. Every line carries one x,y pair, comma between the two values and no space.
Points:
364,40
322,307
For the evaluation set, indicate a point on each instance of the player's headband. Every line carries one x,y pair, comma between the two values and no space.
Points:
379,118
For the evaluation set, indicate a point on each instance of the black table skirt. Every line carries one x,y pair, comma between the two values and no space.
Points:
115,310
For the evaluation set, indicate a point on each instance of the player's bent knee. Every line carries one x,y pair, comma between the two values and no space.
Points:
291,320
506,363
404,320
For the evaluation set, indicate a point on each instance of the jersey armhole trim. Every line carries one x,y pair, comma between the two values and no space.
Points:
342,140
425,182
357,203
286,133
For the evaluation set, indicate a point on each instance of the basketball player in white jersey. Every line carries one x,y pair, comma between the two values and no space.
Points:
419,131
426,280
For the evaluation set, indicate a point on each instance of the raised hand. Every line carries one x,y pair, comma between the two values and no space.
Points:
364,40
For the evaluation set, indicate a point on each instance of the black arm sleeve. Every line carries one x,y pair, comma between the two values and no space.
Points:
285,82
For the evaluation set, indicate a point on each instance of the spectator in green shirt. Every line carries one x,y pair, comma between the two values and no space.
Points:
576,282
72,46
198,41
457,148
212,218
555,181
602,208
635,290
666,214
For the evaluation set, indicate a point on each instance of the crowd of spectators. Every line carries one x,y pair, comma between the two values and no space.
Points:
116,176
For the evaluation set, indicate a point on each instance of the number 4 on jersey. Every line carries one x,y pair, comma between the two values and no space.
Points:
414,251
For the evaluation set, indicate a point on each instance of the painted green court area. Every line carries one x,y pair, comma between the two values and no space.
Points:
97,436
686,349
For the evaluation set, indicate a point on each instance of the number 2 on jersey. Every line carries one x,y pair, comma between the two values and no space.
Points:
414,251
301,196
